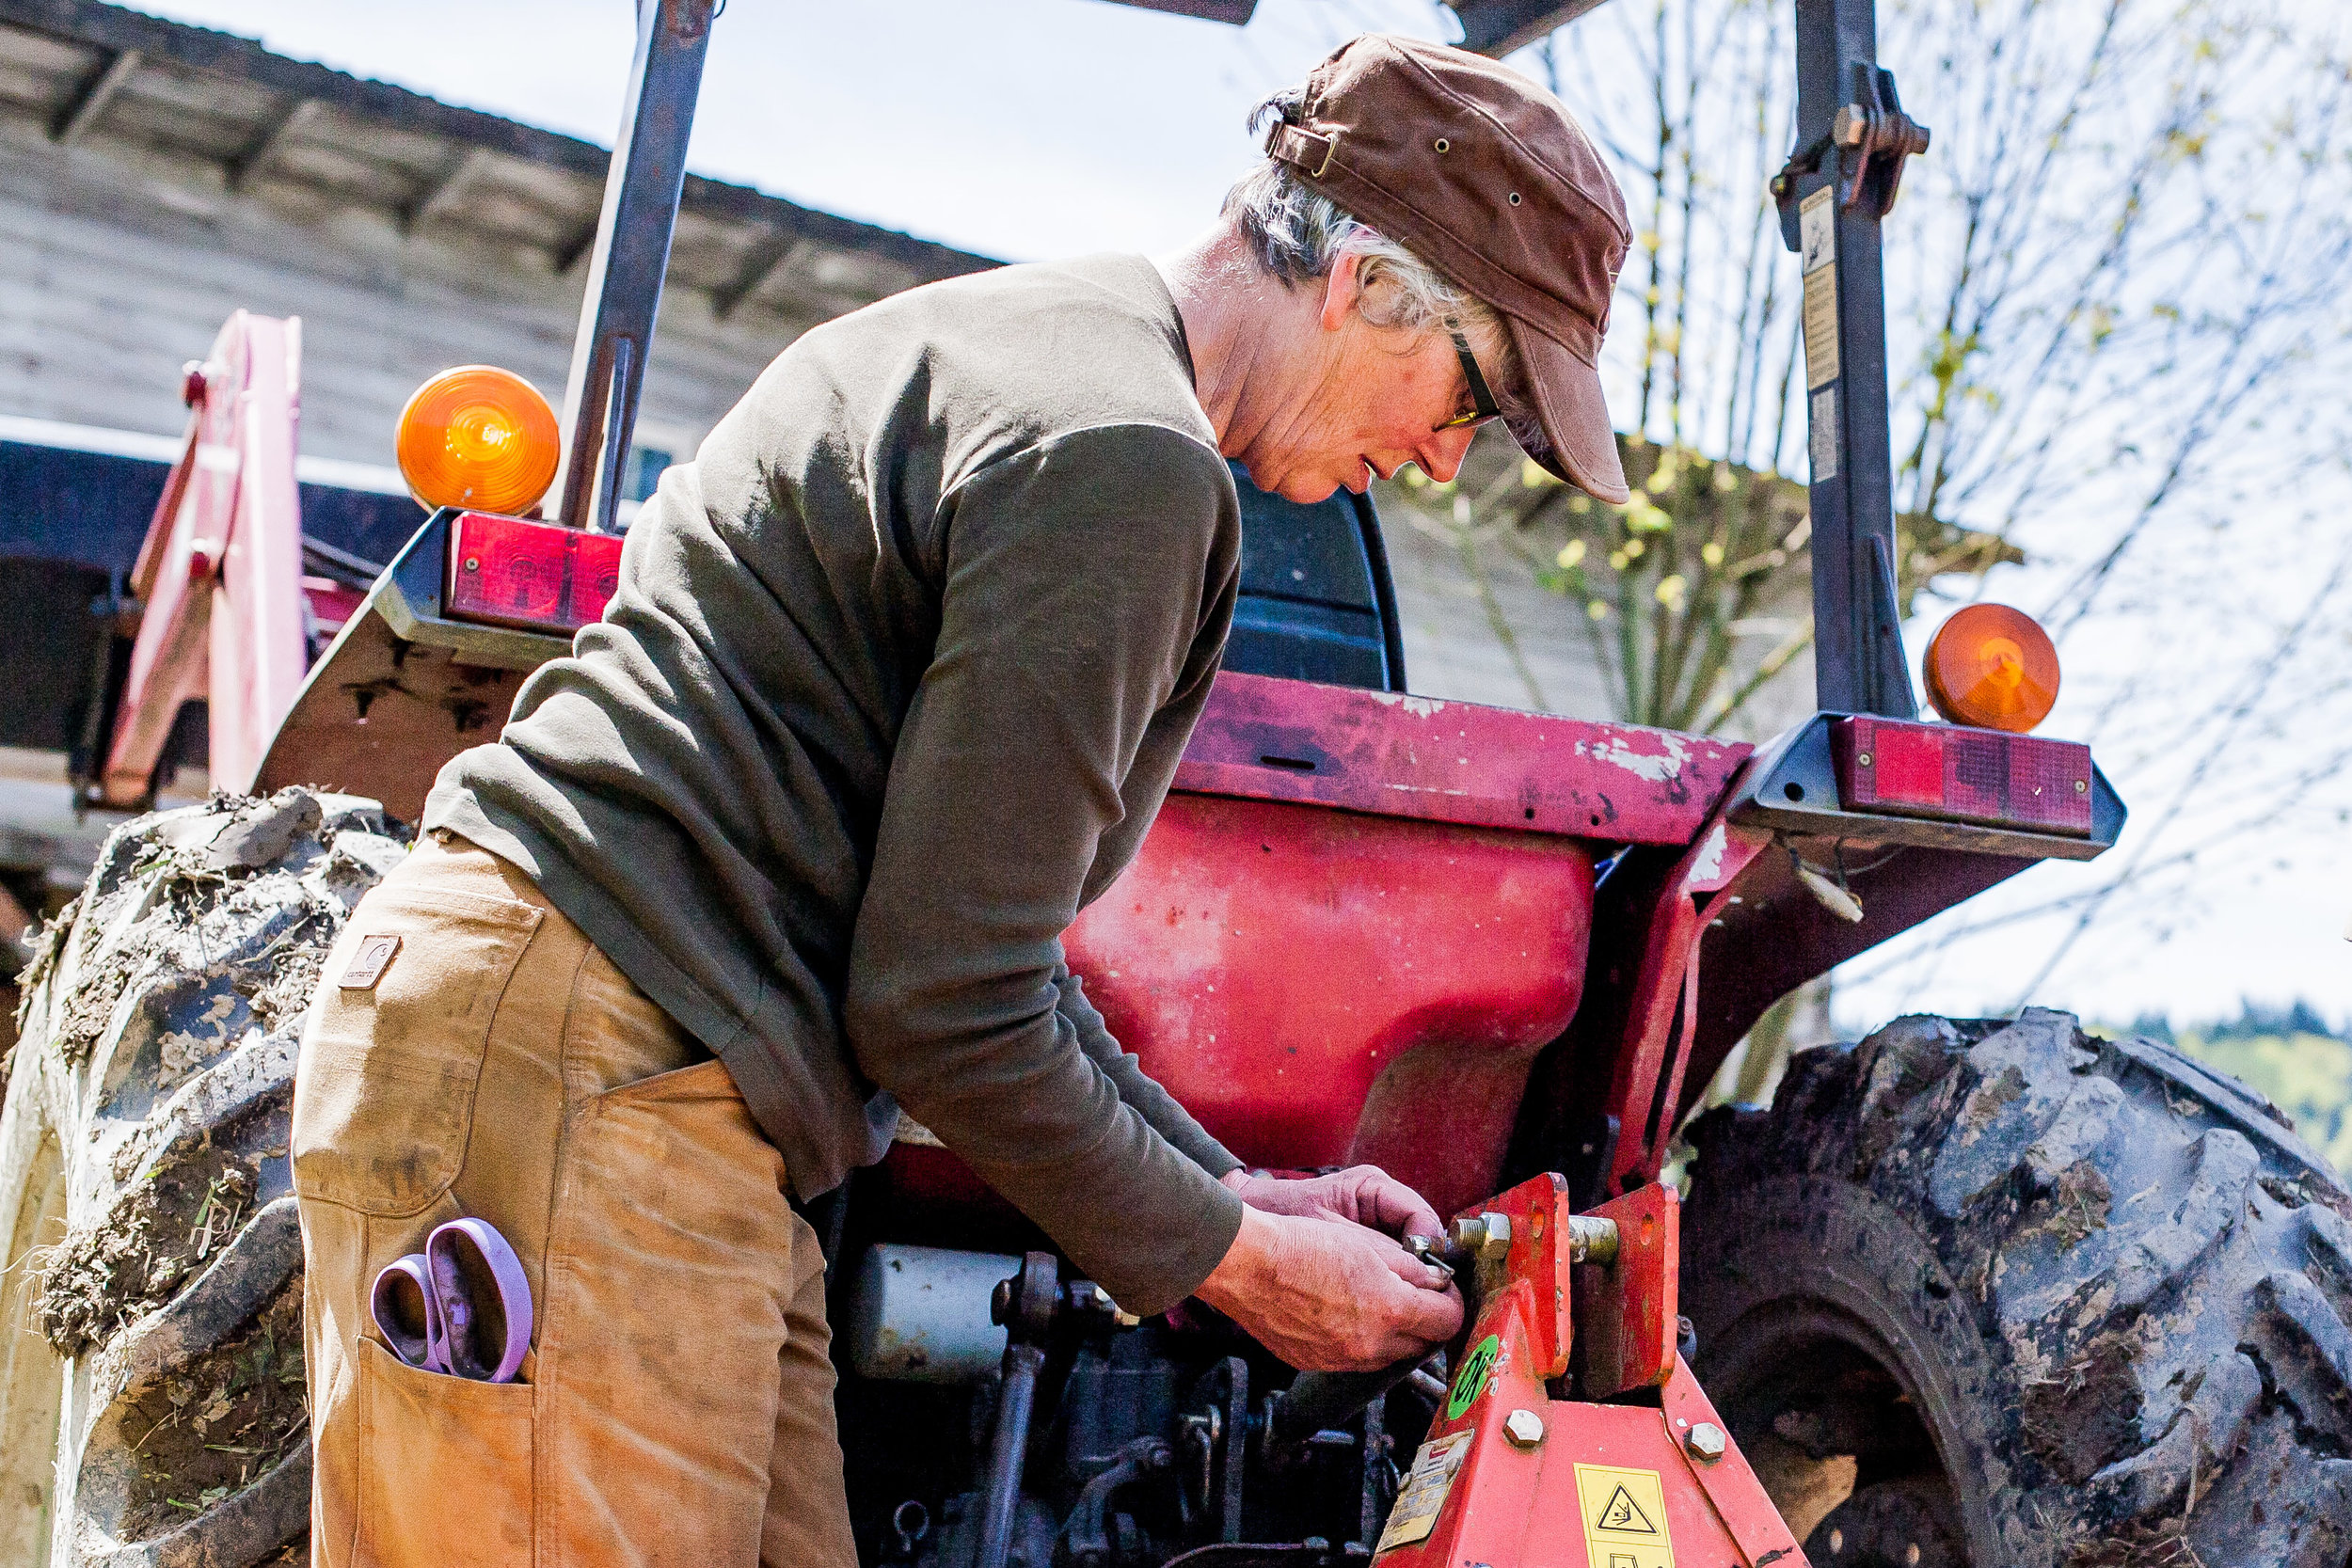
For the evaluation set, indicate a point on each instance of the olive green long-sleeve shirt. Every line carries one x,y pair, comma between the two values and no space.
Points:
896,676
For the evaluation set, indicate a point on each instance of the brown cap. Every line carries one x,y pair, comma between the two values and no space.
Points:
1483,175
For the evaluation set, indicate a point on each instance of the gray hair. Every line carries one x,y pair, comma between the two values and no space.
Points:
1296,235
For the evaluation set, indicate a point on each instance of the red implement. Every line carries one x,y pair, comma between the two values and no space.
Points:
221,570
1511,1476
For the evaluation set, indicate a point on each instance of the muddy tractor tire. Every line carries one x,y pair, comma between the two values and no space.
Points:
1998,1295
151,1404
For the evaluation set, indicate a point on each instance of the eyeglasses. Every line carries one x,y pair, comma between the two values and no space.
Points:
1482,405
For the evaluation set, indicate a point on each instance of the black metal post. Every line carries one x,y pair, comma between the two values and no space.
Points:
1000,1502
1852,138
631,257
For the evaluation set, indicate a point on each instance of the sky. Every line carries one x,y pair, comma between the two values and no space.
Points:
1019,129
1024,129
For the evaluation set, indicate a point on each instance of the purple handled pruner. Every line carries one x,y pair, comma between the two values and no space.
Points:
425,1304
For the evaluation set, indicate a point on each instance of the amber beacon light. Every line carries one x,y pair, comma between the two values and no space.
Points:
1991,667
478,437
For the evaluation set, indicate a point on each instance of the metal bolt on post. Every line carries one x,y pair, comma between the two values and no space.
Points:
1485,1238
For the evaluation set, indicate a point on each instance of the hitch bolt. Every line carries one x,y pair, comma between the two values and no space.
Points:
1706,1441
1592,1240
1484,1237
1524,1427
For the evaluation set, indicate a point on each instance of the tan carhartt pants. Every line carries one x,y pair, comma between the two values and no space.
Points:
677,1403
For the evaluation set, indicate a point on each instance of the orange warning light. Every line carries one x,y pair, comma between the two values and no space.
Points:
478,437
1991,667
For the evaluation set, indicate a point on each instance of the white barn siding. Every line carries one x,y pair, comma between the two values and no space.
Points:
118,267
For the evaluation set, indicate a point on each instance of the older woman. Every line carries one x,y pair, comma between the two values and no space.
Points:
896,676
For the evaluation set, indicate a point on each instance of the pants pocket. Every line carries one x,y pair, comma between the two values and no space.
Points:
445,1465
384,1089
707,1080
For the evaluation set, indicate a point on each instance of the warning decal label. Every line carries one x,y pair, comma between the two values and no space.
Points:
1621,1512
1423,1497
1624,1518
1817,222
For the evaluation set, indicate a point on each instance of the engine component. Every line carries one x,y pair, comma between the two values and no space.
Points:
920,1314
1318,1401
1025,1305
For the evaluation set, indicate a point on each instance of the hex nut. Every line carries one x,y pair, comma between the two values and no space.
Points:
1484,1237
1707,1441
1525,1429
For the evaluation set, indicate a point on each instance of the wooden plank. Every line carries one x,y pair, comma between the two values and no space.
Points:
777,253
259,153
82,110
442,194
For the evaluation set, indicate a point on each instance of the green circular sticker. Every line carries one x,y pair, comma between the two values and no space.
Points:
1476,1367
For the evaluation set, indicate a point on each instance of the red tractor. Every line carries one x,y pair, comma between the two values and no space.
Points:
1972,1292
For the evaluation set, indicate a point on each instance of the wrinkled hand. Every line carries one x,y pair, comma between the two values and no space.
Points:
1328,1295
1365,1194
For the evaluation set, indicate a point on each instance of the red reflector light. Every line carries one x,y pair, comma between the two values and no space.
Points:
543,576
1964,775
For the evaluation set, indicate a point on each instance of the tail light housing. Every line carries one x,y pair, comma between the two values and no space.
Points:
544,576
1959,774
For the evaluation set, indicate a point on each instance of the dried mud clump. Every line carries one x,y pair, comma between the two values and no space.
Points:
157,1237
218,1424
2161,1546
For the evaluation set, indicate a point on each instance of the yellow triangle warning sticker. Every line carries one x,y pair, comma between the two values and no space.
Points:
1624,1511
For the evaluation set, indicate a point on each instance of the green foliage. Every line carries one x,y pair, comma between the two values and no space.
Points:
2289,1054
1679,588
2309,1076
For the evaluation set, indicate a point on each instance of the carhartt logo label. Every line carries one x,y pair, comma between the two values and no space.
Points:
1622,1513
368,962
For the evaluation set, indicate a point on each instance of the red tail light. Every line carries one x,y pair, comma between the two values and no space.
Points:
512,572
1964,775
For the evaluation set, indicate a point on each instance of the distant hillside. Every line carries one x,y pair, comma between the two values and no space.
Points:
2289,1055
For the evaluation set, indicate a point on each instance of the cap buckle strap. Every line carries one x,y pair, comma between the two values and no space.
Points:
1294,146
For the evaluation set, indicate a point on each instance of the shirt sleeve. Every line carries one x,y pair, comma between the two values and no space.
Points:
1138,1088
1078,577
